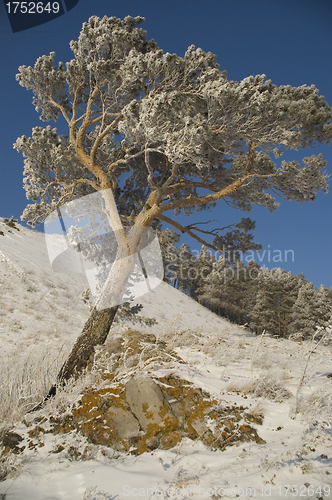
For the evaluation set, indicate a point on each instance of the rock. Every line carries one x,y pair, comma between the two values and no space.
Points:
11,440
143,415
168,441
200,427
178,411
124,422
202,431
148,404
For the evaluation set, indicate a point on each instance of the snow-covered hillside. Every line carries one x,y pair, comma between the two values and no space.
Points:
42,314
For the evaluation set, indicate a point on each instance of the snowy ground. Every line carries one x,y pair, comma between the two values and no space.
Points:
41,314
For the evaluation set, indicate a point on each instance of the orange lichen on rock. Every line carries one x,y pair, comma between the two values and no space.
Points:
145,414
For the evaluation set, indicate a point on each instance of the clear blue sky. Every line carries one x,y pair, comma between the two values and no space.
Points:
288,40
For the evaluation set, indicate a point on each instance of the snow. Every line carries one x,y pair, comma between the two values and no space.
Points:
42,311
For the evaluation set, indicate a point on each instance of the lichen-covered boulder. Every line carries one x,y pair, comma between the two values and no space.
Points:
145,414
148,404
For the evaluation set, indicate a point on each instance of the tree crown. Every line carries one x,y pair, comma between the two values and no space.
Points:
165,133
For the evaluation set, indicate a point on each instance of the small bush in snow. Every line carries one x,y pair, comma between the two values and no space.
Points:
93,494
266,386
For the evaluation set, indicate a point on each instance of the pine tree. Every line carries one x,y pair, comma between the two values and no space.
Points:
273,308
169,251
204,265
285,292
210,285
304,317
187,271
154,132
262,313
322,306
238,290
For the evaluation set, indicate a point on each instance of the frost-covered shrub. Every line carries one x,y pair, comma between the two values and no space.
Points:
25,382
317,406
94,494
266,386
270,388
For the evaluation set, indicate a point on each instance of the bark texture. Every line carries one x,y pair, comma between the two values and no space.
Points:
94,333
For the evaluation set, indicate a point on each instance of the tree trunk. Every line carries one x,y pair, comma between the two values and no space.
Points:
94,333
96,328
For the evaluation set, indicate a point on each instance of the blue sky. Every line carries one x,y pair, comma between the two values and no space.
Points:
289,41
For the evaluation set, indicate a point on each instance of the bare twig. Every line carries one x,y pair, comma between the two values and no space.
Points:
150,170
294,409
185,229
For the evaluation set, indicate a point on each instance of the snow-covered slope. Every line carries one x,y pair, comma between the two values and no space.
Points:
42,311
32,292
37,305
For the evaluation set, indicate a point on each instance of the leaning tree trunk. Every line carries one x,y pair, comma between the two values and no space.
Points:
96,329
94,333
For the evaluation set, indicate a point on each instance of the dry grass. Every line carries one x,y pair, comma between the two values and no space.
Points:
267,385
26,378
96,494
317,406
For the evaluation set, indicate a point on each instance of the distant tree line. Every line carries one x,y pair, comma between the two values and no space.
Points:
265,299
